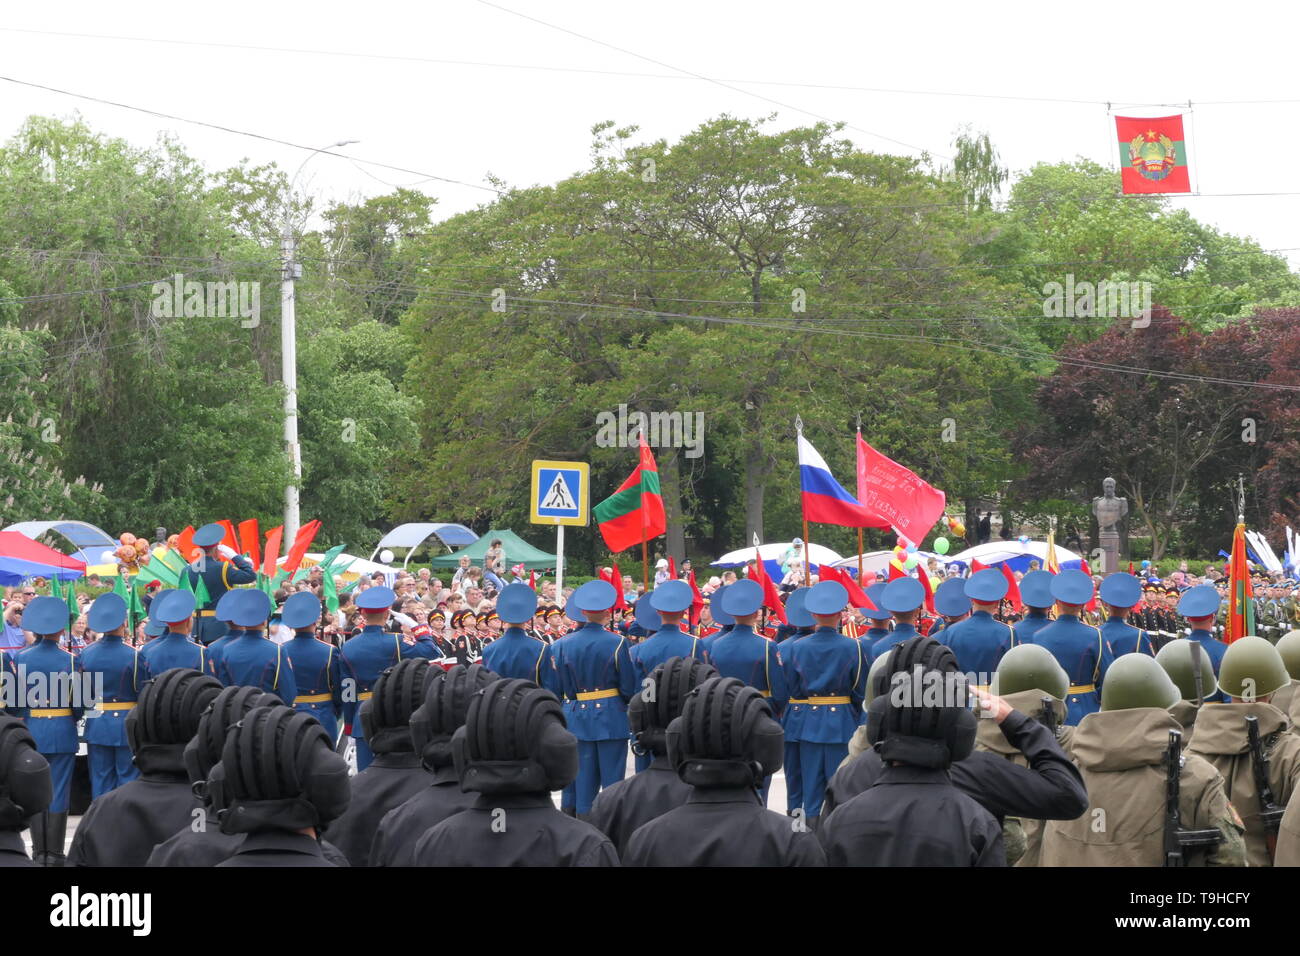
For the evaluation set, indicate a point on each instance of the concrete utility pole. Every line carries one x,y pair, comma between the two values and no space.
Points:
291,270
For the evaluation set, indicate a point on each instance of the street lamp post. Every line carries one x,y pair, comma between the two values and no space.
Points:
291,270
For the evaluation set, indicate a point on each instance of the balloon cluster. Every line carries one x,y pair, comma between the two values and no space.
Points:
132,551
905,554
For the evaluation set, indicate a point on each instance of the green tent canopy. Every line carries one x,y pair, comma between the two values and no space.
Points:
517,551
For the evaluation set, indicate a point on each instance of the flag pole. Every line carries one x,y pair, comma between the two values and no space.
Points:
645,553
859,530
807,540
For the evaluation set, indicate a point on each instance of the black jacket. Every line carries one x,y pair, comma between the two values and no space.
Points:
635,801
210,846
13,852
278,848
1050,788
123,826
402,827
388,782
515,829
723,827
912,816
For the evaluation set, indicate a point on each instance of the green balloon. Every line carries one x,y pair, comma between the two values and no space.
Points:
941,545
910,563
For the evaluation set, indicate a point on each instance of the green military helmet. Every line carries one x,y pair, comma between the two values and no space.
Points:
1030,667
1251,668
1136,680
1176,658
1288,645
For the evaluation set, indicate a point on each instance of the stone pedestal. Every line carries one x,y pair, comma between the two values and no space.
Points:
1109,544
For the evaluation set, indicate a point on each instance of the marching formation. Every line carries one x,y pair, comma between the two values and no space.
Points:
1047,741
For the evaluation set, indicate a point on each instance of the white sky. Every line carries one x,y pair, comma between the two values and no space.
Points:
532,126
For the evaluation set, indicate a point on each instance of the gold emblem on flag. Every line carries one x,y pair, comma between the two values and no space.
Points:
1152,154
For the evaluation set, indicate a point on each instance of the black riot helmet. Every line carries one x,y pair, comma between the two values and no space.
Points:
386,716
203,752
167,715
725,736
25,787
660,700
923,719
514,741
278,771
446,702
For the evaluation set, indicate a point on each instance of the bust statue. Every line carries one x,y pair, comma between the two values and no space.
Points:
1109,509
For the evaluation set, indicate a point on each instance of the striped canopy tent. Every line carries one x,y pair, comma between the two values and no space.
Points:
22,559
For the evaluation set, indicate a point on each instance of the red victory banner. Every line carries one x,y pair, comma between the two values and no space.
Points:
1152,155
897,494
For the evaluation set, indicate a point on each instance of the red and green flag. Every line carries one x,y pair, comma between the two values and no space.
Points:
1152,154
635,511
1241,596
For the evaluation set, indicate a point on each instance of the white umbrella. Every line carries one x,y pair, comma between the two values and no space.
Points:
997,551
873,561
773,552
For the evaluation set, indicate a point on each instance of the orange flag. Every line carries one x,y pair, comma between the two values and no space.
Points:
306,534
274,537
185,543
249,538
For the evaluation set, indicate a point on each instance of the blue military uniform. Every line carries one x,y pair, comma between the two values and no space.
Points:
1077,647
879,618
1036,594
721,618
218,577
252,660
950,600
516,653
213,652
830,674
119,673
1204,601
665,641
316,668
365,656
979,642
172,649
49,682
596,677
801,624
1123,591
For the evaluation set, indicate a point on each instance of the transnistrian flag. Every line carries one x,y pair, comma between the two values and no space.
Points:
635,511
1241,596
1152,156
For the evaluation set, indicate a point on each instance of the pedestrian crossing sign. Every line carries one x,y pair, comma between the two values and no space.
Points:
560,492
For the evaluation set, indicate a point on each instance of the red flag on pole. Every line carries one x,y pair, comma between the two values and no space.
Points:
697,600
1241,592
1091,605
616,579
635,511
300,545
1013,589
857,596
895,493
231,540
532,580
185,543
672,568
250,539
928,585
771,596
274,538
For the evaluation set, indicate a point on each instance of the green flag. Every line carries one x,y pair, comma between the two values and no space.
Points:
56,589
119,587
264,585
74,609
350,587
201,596
135,606
328,558
184,584
167,568
330,591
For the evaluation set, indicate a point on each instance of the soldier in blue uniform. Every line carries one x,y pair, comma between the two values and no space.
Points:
980,641
219,576
516,653
174,610
721,618
367,655
51,717
1036,595
595,673
120,674
252,660
749,657
902,598
878,617
670,602
830,673
1200,605
952,605
316,668
1078,647
1120,592
213,652
801,624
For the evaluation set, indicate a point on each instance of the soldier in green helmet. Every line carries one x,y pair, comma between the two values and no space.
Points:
1287,699
1122,752
1250,673
1032,682
1177,659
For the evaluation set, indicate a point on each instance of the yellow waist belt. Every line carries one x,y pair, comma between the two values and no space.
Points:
815,701
365,695
1082,688
598,694
316,698
211,613
119,705
57,712
798,700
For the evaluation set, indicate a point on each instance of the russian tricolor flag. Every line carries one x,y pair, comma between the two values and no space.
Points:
824,500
